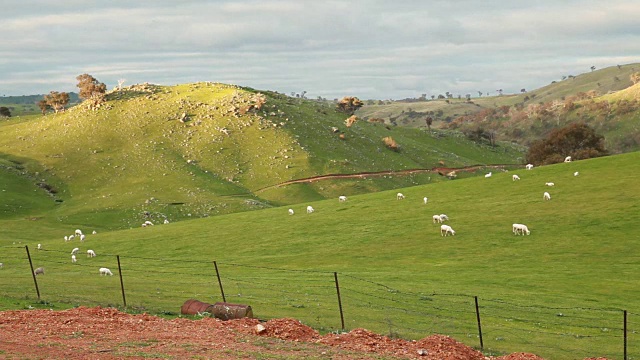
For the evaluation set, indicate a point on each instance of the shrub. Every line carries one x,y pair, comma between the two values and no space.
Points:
390,143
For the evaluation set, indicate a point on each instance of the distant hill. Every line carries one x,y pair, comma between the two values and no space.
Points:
599,84
202,149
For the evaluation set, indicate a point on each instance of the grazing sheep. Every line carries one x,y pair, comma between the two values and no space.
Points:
546,196
529,166
94,232
515,177
1,265
74,251
82,238
444,217
550,184
488,175
105,271
78,232
166,221
425,199
576,173
310,209
66,238
445,230
71,237
291,212
148,223
399,196
39,246
567,159
38,271
73,259
436,219
520,228
91,253
342,198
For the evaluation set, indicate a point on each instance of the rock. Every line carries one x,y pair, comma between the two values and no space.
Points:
423,352
260,329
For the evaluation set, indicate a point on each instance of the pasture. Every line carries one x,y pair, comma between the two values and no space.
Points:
398,276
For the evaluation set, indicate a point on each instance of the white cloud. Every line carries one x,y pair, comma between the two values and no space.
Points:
371,49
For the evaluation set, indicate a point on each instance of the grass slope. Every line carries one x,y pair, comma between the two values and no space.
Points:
133,156
413,114
581,255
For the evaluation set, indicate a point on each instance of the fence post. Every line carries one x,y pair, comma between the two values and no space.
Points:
625,334
124,300
479,326
215,264
32,273
335,275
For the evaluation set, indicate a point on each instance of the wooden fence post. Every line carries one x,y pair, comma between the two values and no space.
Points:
215,264
335,275
124,300
32,272
479,326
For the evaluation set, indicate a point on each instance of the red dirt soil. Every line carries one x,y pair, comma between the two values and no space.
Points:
107,333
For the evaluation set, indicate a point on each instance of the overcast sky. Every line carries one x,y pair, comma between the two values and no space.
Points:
375,49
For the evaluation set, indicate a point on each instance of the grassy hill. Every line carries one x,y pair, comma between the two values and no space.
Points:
557,292
413,114
193,150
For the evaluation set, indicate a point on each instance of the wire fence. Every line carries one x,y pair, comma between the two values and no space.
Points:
326,301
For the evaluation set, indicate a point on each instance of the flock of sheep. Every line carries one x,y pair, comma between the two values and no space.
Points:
446,230
90,253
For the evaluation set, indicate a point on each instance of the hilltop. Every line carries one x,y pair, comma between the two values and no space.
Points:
195,150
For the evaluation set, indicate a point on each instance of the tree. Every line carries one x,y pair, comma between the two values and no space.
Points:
429,121
577,140
349,104
523,90
4,111
57,100
635,78
593,68
479,93
42,104
91,89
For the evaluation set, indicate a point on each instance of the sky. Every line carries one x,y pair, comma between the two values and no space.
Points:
372,49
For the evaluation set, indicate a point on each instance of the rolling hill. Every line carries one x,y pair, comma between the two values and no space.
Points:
195,150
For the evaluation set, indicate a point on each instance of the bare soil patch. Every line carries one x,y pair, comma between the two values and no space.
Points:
107,333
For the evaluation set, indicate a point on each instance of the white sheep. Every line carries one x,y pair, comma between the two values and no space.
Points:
94,232
342,198
576,173
38,271
82,238
529,166
488,175
39,246
445,230
91,253
78,232
310,209
444,217
148,223
546,196
550,184
291,212
74,251
66,238
73,259
436,219
71,237
515,177
105,271
399,196
1,265
520,228
166,221
567,159
425,200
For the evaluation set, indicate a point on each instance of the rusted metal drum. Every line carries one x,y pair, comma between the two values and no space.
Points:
193,307
227,311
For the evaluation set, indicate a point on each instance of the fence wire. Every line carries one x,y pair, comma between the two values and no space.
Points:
163,285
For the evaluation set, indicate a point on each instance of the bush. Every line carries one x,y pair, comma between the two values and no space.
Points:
577,140
390,143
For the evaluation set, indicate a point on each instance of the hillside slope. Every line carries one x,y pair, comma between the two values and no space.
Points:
192,150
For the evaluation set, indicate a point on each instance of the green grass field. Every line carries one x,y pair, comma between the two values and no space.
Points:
558,293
